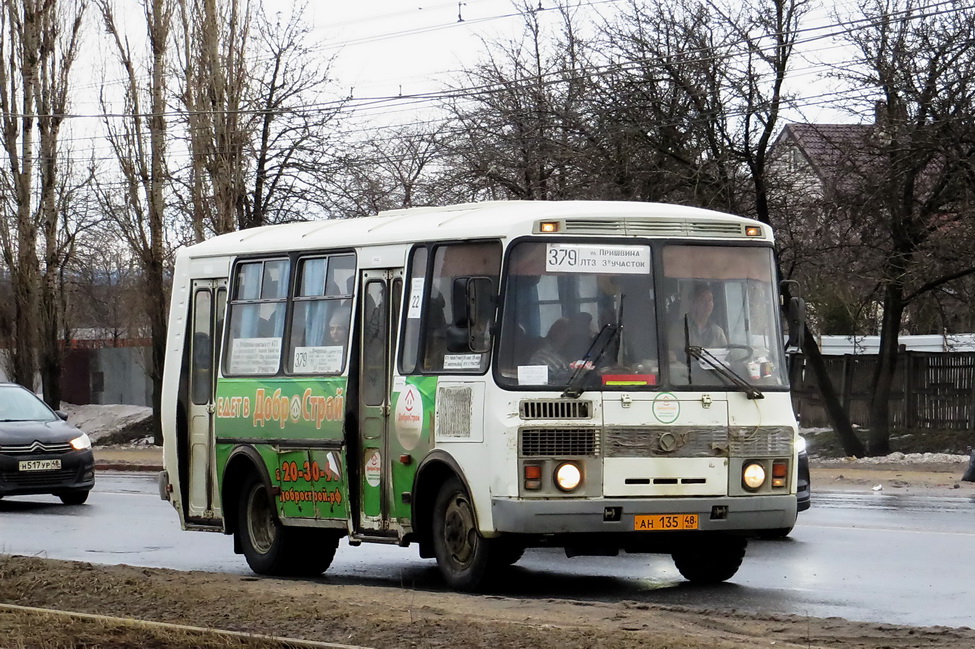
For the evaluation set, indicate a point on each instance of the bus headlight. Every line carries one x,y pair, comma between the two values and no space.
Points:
753,476
568,476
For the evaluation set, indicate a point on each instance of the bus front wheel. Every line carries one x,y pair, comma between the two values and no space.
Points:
463,555
710,562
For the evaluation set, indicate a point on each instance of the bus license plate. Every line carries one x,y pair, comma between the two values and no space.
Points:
664,522
39,465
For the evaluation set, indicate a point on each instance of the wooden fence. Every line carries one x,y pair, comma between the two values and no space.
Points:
930,390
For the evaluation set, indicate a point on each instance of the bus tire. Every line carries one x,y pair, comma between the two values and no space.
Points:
710,562
507,553
463,555
317,549
268,545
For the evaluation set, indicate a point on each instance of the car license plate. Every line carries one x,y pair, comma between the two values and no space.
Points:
39,465
664,522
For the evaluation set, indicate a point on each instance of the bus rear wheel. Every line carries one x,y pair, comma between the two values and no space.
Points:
463,555
711,561
274,549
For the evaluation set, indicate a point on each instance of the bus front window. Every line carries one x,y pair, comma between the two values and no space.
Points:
720,299
559,297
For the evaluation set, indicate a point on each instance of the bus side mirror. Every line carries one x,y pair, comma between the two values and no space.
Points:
472,305
797,321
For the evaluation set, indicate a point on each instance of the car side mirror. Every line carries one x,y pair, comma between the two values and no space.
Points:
62,414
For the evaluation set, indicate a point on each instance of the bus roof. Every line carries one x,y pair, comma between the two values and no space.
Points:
491,219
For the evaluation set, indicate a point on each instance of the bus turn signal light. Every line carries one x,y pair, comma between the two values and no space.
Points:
780,473
533,477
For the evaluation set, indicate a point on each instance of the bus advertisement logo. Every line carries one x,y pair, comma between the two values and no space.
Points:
409,417
276,407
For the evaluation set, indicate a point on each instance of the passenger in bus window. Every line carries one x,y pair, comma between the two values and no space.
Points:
338,328
552,351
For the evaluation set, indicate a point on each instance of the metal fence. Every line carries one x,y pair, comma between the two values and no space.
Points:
930,390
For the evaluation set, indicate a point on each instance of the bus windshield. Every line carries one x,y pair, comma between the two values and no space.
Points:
721,314
572,308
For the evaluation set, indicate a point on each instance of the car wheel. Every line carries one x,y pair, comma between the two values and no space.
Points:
711,561
268,546
74,497
463,555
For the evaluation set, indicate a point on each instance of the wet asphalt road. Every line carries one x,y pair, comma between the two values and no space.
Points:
886,558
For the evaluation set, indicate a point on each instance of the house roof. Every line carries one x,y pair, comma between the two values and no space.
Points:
829,148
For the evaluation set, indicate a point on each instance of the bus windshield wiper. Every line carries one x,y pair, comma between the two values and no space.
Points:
703,355
597,349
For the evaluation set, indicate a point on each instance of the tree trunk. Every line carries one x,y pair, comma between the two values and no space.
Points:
883,378
838,417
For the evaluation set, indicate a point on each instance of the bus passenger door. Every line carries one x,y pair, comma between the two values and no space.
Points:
380,296
208,306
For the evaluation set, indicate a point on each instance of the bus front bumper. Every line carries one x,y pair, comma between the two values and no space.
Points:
577,516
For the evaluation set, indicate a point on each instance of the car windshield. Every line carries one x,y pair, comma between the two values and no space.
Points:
578,315
18,404
721,315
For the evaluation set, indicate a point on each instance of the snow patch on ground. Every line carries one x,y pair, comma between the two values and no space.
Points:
102,422
898,458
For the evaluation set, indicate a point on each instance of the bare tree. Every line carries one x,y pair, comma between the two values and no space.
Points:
60,34
257,119
915,178
138,143
701,87
37,49
213,38
517,116
404,168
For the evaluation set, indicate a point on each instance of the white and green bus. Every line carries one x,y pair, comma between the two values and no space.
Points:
480,379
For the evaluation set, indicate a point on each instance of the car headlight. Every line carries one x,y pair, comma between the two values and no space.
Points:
81,442
568,476
753,475
800,444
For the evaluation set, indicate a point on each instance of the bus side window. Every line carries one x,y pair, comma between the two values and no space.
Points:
257,309
449,262
415,305
319,335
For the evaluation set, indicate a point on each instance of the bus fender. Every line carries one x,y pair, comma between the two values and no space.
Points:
435,469
243,460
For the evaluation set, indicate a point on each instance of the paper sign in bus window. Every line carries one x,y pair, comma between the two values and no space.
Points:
255,355
318,360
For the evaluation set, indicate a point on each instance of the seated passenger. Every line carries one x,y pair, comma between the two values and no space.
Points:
552,351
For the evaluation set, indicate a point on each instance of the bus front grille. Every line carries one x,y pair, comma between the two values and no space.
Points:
760,441
555,409
542,442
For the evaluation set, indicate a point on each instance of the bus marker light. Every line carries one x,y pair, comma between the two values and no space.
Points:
548,227
753,231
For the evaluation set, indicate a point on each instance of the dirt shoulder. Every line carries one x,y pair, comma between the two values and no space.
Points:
932,479
324,611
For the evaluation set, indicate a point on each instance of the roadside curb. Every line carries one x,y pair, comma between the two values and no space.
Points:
127,466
